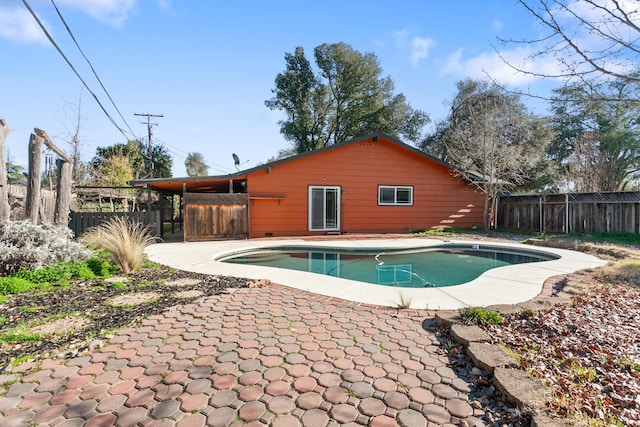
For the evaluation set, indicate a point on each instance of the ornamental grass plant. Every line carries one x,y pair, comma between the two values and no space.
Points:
124,239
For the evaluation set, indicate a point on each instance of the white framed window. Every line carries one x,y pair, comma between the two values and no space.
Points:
394,195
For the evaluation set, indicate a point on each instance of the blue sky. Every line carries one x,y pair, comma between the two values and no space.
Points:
208,66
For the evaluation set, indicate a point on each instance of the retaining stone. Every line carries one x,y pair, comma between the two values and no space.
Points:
446,318
488,357
518,388
465,334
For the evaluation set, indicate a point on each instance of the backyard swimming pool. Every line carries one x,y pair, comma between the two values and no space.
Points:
413,268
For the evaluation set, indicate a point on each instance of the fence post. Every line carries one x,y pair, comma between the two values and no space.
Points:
495,225
542,214
566,213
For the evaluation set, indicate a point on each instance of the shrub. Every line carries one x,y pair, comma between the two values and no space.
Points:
14,285
58,272
99,264
24,245
124,239
480,316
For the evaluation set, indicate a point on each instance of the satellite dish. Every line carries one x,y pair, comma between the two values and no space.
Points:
236,161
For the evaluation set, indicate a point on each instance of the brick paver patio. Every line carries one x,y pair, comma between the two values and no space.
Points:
267,355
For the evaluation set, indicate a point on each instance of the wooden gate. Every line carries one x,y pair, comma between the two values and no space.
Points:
211,216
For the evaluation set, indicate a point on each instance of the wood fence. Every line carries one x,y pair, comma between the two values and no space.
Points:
570,212
210,216
18,197
80,222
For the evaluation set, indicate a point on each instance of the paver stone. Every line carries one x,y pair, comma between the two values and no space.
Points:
344,413
372,406
435,413
411,418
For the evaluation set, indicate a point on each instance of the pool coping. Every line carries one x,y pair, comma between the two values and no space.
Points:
523,281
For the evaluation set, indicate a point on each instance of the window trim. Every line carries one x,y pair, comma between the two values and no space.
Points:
395,189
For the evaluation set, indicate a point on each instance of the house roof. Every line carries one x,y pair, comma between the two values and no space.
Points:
220,183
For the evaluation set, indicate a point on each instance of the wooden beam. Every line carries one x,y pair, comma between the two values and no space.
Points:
47,141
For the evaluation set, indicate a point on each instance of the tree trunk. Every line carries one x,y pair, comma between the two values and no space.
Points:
33,185
486,212
5,209
63,193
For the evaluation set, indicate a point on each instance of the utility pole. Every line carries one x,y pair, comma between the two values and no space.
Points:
149,124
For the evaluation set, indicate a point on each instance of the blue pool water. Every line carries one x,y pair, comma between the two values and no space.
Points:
407,268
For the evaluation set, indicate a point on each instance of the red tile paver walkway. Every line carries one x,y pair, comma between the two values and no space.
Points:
268,355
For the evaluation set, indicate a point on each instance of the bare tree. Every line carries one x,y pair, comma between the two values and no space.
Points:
5,209
493,140
591,40
73,123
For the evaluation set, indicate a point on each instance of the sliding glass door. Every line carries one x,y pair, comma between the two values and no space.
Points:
324,208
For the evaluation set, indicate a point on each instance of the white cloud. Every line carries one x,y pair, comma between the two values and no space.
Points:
417,47
18,26
496,66
420,49
112,12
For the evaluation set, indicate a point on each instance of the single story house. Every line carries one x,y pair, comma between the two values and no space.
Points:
372,184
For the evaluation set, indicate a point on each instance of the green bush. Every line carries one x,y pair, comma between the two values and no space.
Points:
480,316
59,272
15,285
100,265
25,246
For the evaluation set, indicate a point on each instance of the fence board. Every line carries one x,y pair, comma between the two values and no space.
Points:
80,222
587,212
18,196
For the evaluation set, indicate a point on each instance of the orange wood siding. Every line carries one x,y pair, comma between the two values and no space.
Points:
439,198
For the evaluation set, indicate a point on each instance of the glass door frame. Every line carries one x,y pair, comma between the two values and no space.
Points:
337,191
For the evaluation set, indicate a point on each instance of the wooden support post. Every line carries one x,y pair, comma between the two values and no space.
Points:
5,209
32,206
566,213
63,193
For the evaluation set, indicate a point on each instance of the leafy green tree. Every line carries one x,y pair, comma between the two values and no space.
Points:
345,99
14,173
162,162
116,171
195,165
492,140
597,147
138,158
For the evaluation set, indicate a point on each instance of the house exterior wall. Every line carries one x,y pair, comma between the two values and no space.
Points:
439,198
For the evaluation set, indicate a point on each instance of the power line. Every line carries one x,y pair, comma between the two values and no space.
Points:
46,33
183,154
92,69
150,133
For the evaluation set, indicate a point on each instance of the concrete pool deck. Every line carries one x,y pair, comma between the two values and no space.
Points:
505,285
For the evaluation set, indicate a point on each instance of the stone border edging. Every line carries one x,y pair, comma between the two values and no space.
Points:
515,384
